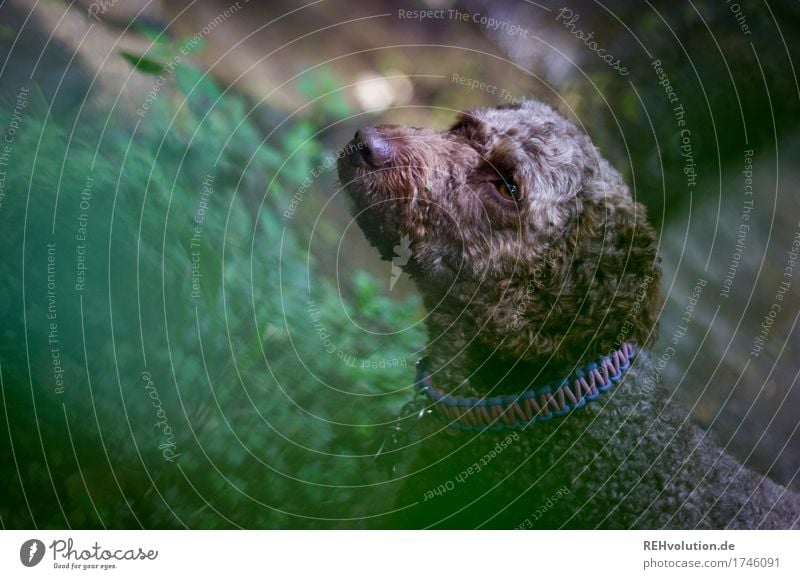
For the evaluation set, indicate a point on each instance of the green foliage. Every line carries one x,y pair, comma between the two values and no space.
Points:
161,50
142,63
199,310
321,87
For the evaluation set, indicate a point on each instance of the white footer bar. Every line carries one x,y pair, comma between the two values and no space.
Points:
395,554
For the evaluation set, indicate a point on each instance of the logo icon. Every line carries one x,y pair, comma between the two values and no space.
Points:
402,253
31,553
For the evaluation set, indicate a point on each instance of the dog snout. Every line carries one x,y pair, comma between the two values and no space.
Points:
373,147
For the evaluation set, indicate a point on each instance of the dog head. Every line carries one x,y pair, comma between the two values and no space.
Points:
511,215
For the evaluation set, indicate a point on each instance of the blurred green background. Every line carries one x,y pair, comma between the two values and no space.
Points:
233,349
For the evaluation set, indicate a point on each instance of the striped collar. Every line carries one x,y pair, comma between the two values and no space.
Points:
520,411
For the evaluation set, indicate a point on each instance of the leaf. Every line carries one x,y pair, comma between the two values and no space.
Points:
142,63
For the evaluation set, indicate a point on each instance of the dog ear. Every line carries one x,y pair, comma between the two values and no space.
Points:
616,268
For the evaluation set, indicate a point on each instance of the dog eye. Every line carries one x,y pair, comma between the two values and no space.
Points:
507,189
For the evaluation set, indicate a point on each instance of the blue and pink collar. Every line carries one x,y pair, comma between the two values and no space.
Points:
520,411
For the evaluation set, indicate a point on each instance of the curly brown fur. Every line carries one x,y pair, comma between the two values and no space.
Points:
532,258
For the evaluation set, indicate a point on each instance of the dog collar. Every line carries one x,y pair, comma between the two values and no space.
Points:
519,411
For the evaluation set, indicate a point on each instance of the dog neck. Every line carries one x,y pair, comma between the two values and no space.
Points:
532,405
477,370
465,365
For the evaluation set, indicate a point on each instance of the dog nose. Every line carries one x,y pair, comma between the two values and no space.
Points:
374,148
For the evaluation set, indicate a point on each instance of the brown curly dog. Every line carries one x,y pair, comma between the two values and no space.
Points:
540,275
